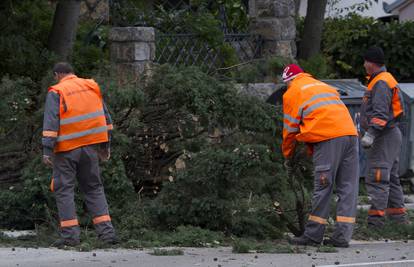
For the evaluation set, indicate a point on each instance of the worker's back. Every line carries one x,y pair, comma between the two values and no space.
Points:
319,109
82,117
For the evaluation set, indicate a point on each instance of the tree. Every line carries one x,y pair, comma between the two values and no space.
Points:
65,22
312,32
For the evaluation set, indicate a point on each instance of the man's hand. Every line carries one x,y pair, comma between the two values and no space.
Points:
104,154
47,160
367,140
288,166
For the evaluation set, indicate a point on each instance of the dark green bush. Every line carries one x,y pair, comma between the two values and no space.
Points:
227,190
158,123
318,66
226,143
258,71
346,39
25,27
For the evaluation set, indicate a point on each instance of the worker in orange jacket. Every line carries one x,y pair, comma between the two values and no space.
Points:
314,114
76,133
381,111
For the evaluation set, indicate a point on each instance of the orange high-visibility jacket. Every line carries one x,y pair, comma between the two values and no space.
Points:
313,112
82,118
381,111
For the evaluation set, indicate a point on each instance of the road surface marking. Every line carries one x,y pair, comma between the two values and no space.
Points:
366,263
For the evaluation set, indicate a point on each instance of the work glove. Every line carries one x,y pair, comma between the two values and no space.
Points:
47,156
367,140
47,160
104,152
288,166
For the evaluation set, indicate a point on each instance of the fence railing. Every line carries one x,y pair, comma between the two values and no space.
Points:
190,49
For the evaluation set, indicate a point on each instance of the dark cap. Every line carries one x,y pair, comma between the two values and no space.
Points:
62,67
375,55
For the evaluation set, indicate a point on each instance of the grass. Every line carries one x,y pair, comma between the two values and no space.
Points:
254,246
241,246
189,236
326,249
363,200
167,252
183,236
390,230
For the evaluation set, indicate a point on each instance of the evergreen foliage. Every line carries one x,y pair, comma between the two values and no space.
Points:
216,150
345,40
213,151
209,153
191,155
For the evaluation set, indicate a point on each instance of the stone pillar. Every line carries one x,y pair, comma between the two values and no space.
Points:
132,50
275,21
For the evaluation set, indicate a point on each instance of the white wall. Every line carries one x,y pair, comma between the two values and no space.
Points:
407,13
376,10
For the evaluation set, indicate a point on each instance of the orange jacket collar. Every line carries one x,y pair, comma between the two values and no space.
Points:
299,76
369,77
68,77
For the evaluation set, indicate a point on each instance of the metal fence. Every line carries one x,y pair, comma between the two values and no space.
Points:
190,49
176,45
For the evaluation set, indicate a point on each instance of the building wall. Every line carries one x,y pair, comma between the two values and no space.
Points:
376,10
407,12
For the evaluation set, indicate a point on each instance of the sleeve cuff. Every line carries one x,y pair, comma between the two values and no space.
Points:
374,132
47,151
105,145
109,136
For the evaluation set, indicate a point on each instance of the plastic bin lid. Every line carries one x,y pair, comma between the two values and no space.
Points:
408,89
348,88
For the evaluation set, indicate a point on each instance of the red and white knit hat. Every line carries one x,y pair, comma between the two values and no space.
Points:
290,72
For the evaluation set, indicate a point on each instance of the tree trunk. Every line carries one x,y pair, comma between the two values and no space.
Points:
65,22
310,44
297,7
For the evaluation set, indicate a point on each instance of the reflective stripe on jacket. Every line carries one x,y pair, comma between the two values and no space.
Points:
383,103
313,112
81,114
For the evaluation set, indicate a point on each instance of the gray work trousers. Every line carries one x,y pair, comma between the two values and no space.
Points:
382,181
81,163
335,162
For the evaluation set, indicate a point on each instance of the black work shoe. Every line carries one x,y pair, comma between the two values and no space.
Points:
60,243
303,241
335,243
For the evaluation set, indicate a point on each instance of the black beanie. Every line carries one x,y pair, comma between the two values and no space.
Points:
375,55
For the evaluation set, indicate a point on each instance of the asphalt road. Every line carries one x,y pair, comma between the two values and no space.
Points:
389,254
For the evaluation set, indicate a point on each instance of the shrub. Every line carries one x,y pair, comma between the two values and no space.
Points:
219,148
318,66
258,71
346,39
227,190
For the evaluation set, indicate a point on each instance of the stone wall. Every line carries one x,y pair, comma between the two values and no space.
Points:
275,21
132,50
263,91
